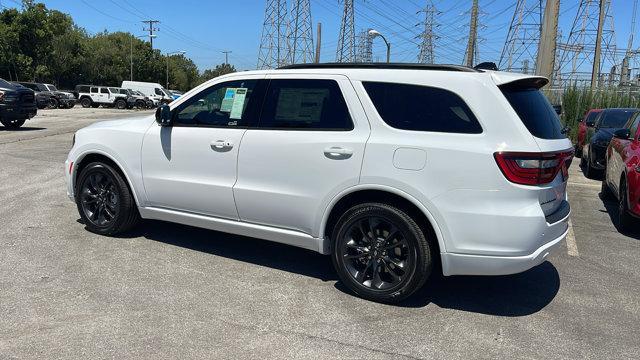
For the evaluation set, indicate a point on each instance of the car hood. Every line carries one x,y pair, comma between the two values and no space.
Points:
123,123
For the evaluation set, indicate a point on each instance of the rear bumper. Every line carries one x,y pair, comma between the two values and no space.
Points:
17,111
463,264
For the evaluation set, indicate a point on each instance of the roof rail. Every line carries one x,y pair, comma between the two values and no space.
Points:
373,65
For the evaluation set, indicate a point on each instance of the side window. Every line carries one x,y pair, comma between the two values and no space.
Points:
104,91
94,89
225,104
159,92
305,104
422,108
83,89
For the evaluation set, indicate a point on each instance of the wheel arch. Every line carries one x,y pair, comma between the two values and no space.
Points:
101,156
385,194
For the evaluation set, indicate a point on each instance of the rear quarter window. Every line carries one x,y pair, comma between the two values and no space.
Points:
535,111
422,108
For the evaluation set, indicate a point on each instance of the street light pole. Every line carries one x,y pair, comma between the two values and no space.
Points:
168,55
373,33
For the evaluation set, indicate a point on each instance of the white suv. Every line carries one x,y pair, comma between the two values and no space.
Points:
396,171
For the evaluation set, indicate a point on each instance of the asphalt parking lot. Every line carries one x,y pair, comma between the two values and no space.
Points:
172,291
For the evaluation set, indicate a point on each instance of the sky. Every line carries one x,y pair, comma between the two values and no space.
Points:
205,28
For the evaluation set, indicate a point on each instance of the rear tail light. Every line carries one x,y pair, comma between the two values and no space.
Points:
534,168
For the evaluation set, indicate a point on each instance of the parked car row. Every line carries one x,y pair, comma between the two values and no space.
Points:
609,143
132,94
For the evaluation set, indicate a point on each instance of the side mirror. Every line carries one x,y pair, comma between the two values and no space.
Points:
164,115
623,134
591,124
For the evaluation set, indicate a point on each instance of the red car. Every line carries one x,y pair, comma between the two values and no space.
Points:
622,176
588,121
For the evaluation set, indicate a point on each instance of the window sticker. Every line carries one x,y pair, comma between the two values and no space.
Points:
227,101
304,105
238,103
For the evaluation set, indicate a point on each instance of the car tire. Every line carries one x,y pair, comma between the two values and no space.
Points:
605,191
12,124
625,220
121,104
86,102
588,169
53,103
140,104
578,151
380,253
104,200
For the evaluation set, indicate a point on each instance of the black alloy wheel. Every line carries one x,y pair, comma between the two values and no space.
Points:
380,253
104,200
12,123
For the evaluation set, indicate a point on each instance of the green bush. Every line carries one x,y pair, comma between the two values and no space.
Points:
577,101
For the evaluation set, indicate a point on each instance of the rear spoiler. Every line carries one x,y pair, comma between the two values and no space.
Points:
513,80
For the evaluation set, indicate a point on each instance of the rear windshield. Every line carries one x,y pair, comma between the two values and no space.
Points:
535,111
615,118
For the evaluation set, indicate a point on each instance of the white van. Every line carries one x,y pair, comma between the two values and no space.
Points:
154,91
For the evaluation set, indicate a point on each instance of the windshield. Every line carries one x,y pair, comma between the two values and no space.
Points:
592,116
114,90
51,88
5,84
124,91
615,118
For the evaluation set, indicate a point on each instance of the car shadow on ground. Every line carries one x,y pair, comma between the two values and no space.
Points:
24,128
513,295
612,209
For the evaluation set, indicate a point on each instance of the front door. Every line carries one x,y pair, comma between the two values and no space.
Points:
307,148
191,166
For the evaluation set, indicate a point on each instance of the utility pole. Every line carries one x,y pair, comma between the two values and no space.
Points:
151,29
473,35
347,38
596,56
273,43
318,42
523,37
545,60
226,56
624,71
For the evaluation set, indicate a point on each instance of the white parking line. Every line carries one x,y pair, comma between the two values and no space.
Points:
572,246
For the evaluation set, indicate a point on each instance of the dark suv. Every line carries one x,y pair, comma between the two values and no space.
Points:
599,135
17,104
54,99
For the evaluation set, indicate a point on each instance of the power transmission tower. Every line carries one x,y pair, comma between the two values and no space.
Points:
590,46
273,44
523,37
300,33
472,42
151,29
428,36
365,47
625,71
347,39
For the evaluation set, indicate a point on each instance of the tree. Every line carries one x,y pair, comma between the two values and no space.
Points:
218,71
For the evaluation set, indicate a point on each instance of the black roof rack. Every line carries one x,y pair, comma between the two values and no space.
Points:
396,66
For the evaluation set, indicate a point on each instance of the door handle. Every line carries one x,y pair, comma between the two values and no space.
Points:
221,144
338,152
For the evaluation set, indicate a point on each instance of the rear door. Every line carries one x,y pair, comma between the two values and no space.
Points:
307,148
537,114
